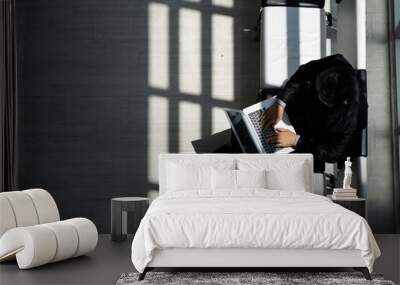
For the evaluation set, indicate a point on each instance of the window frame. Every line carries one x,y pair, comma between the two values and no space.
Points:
393,36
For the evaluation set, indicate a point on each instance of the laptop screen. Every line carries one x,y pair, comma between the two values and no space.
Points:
241,132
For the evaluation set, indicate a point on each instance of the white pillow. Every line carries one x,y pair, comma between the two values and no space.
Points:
293,179
181,178
282,173
223,179
237,179
251,179
193,174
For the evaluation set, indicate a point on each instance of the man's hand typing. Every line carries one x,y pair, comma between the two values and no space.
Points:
272,116
283,138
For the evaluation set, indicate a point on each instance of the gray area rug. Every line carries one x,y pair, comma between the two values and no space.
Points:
269,278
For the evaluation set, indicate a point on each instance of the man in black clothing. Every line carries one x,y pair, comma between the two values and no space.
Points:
325,108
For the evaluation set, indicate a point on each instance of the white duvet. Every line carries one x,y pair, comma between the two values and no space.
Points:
252,218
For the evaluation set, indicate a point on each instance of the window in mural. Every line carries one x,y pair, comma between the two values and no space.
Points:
395,59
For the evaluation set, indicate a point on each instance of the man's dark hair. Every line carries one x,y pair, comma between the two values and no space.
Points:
335,85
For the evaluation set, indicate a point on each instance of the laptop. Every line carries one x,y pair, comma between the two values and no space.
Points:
246,125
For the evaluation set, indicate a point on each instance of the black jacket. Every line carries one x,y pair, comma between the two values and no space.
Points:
325,132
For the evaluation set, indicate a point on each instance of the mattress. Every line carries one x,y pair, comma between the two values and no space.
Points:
252,219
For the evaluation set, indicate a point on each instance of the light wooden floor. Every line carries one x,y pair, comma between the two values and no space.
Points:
110,260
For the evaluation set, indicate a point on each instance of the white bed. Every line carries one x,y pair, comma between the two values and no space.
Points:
209,226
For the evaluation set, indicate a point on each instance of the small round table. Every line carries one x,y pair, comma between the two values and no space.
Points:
119,214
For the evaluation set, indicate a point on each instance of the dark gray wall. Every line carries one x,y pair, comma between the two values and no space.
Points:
83,96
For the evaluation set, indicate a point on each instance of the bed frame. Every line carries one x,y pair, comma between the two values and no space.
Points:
246,259
242,259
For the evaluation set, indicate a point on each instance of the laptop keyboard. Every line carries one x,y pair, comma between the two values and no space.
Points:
262,134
